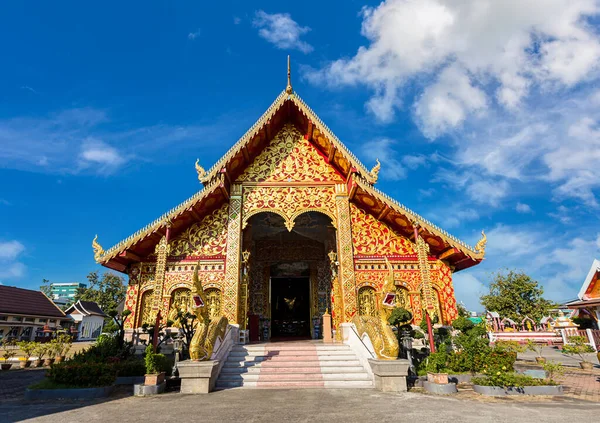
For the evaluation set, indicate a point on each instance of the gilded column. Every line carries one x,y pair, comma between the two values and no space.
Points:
232,264
162,252
345,252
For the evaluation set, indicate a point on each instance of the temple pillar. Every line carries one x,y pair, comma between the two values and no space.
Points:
162,253
345,253
231,291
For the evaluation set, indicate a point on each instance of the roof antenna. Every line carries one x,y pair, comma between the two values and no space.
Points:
289,88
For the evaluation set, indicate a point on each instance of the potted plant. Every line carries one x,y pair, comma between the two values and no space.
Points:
51,351
536,348
40,351
8,354
578,346
436,364
62,346
154,367
27,348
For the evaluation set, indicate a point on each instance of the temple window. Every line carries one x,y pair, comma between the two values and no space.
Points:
366,301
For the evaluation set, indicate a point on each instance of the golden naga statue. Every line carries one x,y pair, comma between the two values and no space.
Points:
375,171
98,250
207,331
202,177
377,328
480,246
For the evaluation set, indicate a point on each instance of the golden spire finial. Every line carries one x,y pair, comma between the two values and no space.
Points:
288,88
480,246
375,171
98,250
201,172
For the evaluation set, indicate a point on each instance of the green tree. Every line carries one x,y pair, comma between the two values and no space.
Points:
516,295
46,288
462,310
108,291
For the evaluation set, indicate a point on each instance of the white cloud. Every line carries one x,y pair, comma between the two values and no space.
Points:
468,289
236,20
195,34
10,250
558,261
463,46
523,208
282,31
95,152
85,141
10,267
512,82
383,149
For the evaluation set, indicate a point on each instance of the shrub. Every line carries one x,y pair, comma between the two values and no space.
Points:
510,379
553,369
41,350
399,317
106,347
437,362
27,347
155,363
463,324
577,346
509,346
130,368
82,375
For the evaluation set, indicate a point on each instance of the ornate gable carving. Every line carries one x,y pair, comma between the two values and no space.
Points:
289,158
205,238
372,237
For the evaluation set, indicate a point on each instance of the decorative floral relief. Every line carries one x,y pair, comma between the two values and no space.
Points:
289,158
205,238
372,237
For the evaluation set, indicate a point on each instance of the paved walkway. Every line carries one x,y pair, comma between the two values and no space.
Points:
554,354
14,382
306,405
581,385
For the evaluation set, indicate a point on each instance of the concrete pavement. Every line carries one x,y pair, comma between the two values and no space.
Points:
306,405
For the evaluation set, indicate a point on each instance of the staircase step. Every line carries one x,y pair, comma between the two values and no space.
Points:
292,377
287,370
293,365
284,363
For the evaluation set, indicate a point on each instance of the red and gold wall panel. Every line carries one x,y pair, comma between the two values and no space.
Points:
372,237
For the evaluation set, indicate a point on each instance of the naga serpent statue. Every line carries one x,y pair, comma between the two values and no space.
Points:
207,331
377,328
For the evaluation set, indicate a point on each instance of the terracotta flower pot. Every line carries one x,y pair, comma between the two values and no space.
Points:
36,363
24,364
59,359
154,379
586,365
540,360
48,362
6,366
439,378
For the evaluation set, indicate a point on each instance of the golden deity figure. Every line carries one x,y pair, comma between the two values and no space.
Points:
207,330
377,327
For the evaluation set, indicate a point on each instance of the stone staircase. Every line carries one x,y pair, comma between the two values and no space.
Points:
294,364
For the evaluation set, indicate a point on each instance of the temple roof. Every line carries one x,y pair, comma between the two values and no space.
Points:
288,107
27,302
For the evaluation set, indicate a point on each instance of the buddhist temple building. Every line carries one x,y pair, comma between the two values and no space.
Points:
288,225
587,304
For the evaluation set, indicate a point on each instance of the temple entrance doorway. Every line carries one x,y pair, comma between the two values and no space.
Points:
290,308
289,275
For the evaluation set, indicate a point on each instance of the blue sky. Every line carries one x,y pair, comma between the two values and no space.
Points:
485,116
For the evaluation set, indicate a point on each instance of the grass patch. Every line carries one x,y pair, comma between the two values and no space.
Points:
50,384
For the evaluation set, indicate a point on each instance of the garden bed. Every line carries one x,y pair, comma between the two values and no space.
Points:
500,391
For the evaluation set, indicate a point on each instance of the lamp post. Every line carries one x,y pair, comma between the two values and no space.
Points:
177,345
